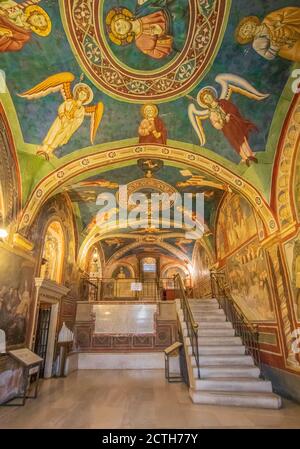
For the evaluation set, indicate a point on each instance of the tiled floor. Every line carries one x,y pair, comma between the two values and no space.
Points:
133,399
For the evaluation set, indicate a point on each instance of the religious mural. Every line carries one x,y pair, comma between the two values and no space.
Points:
184,105
121,272
236,224
53,253
225,116
250,283
147,52
172,40
152,129
277,35
201,277
292,251
16,278
158,28
19,21
296,190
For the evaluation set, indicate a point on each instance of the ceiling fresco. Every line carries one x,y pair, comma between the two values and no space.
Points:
207,78
85,193
139,178
137,65
45,56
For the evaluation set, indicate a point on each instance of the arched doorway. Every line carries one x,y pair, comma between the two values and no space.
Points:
49,295
53,253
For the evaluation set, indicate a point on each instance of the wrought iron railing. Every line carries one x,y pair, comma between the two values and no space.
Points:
247,331
192,326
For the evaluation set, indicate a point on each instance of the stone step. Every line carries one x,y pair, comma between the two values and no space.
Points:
248,384
215,325
207,311
238,399
220,341
211,302
216,332
219,350
212,306
227,371
200,313
227,359
227,375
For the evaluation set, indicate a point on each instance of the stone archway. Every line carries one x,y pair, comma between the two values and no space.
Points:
85,165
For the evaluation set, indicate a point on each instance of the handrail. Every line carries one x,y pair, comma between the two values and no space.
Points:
192,326
243,327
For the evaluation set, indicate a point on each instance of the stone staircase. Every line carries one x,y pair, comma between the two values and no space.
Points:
227,375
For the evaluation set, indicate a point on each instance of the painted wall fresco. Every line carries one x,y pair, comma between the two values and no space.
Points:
292,247
282,298
216,82
202,264
290,192
250,284
172,40
16,278
236,224
127,31
224,116
270,40
292,253
122,272
71,113
20,22
296,189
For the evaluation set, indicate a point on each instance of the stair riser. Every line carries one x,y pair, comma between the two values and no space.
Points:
216,333
205,333
225,360
211,372
208,309
272,402
207,361
222,341
207,318
215,325
234,385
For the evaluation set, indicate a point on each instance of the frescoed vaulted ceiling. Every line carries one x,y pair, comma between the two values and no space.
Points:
118,56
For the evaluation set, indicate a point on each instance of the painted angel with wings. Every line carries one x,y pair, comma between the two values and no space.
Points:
71,113
224,115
